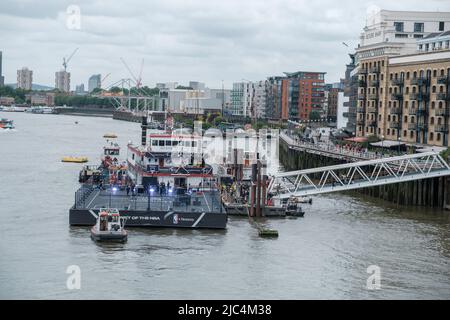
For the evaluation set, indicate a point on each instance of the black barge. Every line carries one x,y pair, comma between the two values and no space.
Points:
194,209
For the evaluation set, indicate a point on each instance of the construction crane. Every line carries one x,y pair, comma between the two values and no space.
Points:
66,61
101,82
138,79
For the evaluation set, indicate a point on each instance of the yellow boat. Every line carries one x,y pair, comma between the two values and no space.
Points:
110,135
75,159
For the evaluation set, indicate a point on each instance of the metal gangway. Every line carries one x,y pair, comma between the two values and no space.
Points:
358,175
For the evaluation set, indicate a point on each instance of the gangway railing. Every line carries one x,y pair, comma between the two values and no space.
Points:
358,175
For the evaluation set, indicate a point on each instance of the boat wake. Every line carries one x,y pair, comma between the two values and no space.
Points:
8,131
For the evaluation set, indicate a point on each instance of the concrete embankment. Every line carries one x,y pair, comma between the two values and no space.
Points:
85,111
433,192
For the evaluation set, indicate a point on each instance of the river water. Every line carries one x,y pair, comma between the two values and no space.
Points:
324,255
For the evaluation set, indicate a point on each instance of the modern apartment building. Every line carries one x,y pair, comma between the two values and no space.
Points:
241,99
302,93
24,78
62,81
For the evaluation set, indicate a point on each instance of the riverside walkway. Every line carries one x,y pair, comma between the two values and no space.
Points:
329,150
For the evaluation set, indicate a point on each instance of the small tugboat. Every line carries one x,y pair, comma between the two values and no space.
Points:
109,226
6,124
293,208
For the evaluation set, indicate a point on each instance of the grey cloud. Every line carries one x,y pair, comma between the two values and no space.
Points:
180,40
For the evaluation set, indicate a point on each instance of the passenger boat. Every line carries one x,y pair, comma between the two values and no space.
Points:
75,159
6,124
109,226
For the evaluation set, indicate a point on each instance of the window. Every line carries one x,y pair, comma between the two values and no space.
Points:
398,26
418,27
441,25
401,35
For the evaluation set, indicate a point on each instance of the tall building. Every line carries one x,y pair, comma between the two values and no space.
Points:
302,94
79,89
259,99
411,100
94,82
273,97
351,92
399,88
241,99
332,103
24,78
62,81
2,78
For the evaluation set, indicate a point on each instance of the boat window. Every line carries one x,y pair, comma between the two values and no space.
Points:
174,143
154,142
161,143
168,142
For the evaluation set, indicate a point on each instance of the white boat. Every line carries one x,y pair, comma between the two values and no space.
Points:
109,226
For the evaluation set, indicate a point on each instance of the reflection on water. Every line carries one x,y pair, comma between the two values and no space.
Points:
323,255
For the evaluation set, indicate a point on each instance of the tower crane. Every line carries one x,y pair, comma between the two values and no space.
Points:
138,79
66,61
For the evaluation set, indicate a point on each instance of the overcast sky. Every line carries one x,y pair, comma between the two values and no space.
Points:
182,40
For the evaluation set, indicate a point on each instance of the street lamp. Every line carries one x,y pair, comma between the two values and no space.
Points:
398,140
149,193
113,189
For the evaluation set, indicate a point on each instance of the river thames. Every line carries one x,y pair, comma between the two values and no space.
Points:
324,255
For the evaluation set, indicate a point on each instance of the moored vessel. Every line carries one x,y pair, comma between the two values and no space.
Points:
110,226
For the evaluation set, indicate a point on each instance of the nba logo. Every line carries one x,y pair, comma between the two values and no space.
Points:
175,218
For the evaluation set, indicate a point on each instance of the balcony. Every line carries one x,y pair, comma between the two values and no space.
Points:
362,70
442,112
412,126
361,96
373,96
422,126
397,96
374,83
372,110
395,125
421,109
443,96
371,123
412,111
443,80
374,70
360,122
360,110
419,96
397,82
395,110
362,83
441,128
420,81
